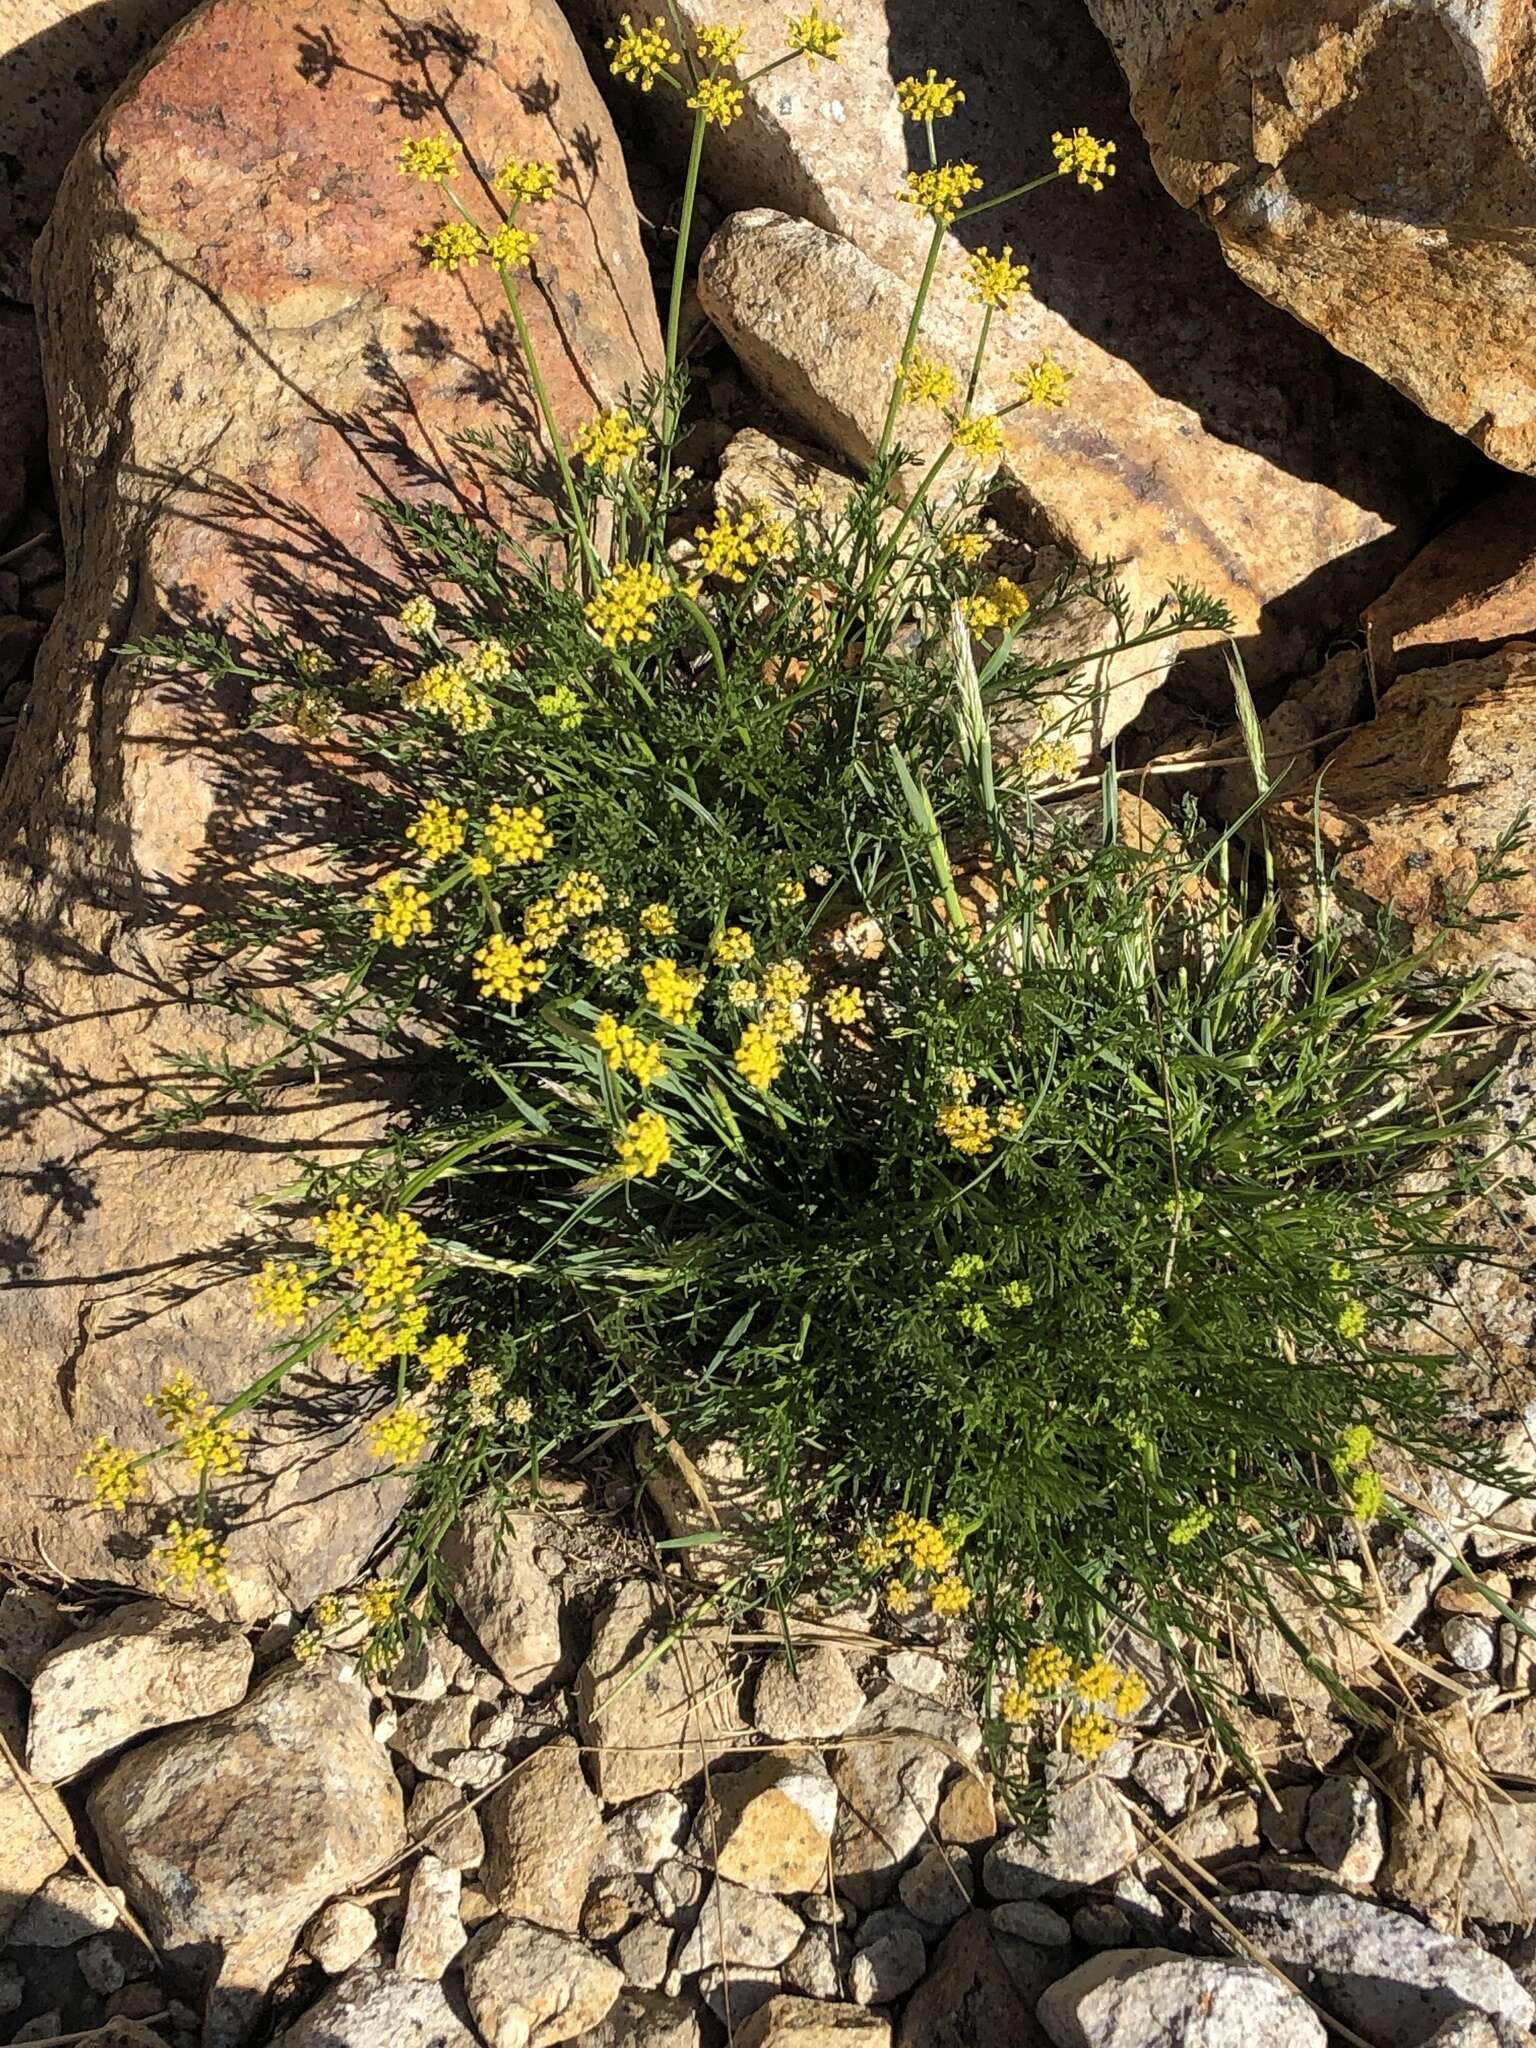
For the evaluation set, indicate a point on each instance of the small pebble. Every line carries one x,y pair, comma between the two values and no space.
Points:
1027,1920
98,1964
1468,1642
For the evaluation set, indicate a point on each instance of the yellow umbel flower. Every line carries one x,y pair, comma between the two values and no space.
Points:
968,1128
1017,1704
812,35
928,99
927,381
731,547
561,706
786,981
1081,156
444,1355
400,910
672,992
1044,383
719,100
455,245
280,1294
941,192
341,1230
1049,760
365,1346
518,837
742,991
445,690
112,1475
312,714
1096,1682
979,612
545,924
1129,1695
626,1051
610,441
519,1411
179,1402
899,1598
1088,1736
401,1434
438,830
645,1147
511,248
1351,1322
950,1596
506,971
430,158
959,1083
623,612
417,616
968,546
387,1266
731,947
1367,1496
525,178
1011,603
996,280
1352,1449
641,55
1047,1668
779,1022
214,1448
1188,1527
758,1058
978,435
489,661
581,893
378,1602
843,1004
604,947
1014,1293
719,44
791,892
658,920
185,1555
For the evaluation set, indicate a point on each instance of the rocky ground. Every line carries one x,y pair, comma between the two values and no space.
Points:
534,1831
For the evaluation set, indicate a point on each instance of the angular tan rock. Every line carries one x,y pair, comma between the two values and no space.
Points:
1372,169
543,1833
145,1666
816,1697
1209,436
768,1825
651,1720
813,2023
969,1998
531,1987
240,338
431,1933
1410,804
37,1838
888,1780
371,2006
228,1834
1468,591
497,1586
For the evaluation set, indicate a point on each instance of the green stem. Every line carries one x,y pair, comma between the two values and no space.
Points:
1014,192
716,653
918,304
556,439
669,410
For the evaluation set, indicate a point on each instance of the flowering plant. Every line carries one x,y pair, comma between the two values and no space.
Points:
808,1068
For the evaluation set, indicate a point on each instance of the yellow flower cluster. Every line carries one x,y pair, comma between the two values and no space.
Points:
312,714
112,1475
1044,383
785,982
672,991
941,192
968,1128
518,837
719,100
281,1295
641,55
561,706
446,691
732,946
444,1355
623,611
455,245
610,441
1049,760
645,1147
626,1051
968,545
909,1543
1188,1527
844,1004
928,99
506,971
1088,1736
432,158
490,661
1000,605
184,1555
658,920
604,947
511,248
719,44
927,381
812,35
581,893
438,831
401,911
523,178
545,923
791,892
978,435
387,1259
400,1434
732,547
1079,155
758,1057
1352,1322
190,1418
378,1602
996,280
417,616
